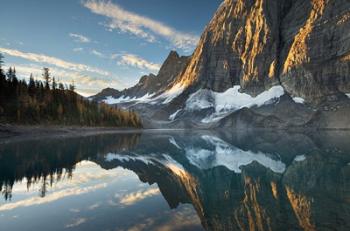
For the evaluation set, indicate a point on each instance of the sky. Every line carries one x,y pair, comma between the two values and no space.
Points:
99,43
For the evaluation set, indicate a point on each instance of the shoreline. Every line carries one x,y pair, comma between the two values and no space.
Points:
9,132
13,133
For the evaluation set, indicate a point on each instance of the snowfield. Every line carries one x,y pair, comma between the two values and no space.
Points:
171,94
219,153
230,157
229,101
123,99
164,98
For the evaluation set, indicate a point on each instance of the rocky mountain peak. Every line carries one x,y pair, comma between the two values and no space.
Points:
239,46
261,43
258,62
151,84
172,67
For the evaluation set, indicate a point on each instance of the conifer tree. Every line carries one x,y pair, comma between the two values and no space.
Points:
41,103
61,86
2,74
54,84
46,77
31,86
9,74
2,77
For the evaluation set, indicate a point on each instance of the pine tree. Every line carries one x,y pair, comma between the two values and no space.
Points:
54,84
14,79
9,74
2,77
31,86
37,103
72,86
46,77
2,74
61,86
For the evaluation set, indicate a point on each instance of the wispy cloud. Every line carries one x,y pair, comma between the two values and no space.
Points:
136,61
41,58
135,197
76,222
98,54
140,26
51,197
86,85
78,49
79,38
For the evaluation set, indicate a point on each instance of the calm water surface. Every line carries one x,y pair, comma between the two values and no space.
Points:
195,180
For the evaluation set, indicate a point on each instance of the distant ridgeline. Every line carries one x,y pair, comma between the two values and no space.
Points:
49,102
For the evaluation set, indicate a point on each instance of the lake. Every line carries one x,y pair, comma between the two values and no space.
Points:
178,180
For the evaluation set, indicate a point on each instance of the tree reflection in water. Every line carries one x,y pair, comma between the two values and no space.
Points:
257,180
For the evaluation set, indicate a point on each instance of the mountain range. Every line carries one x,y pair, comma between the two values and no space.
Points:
259,63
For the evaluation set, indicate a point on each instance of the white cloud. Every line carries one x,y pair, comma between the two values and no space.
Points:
136,61
78,49
41,58
98,54
86,85
135,197
51,197
94,206
140,26
76,222
79,38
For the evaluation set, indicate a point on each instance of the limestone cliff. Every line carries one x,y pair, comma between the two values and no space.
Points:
303,45
239,46
315,38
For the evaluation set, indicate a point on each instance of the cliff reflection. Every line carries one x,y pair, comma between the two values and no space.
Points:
236,181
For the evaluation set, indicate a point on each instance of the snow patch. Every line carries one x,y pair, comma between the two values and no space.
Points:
348,95
167,161
200,100
230,101
299,100
172,141
230,157
300,158
112,100
126,99
126,158
173,116
171,94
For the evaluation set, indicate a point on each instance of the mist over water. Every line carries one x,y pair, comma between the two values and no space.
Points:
178,180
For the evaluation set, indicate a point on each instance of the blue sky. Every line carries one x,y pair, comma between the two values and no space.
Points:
99,43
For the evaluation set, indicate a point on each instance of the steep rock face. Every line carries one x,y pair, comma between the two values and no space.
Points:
239,46
315,49
302,45
151,84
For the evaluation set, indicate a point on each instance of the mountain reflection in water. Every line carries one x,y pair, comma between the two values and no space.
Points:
257,180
